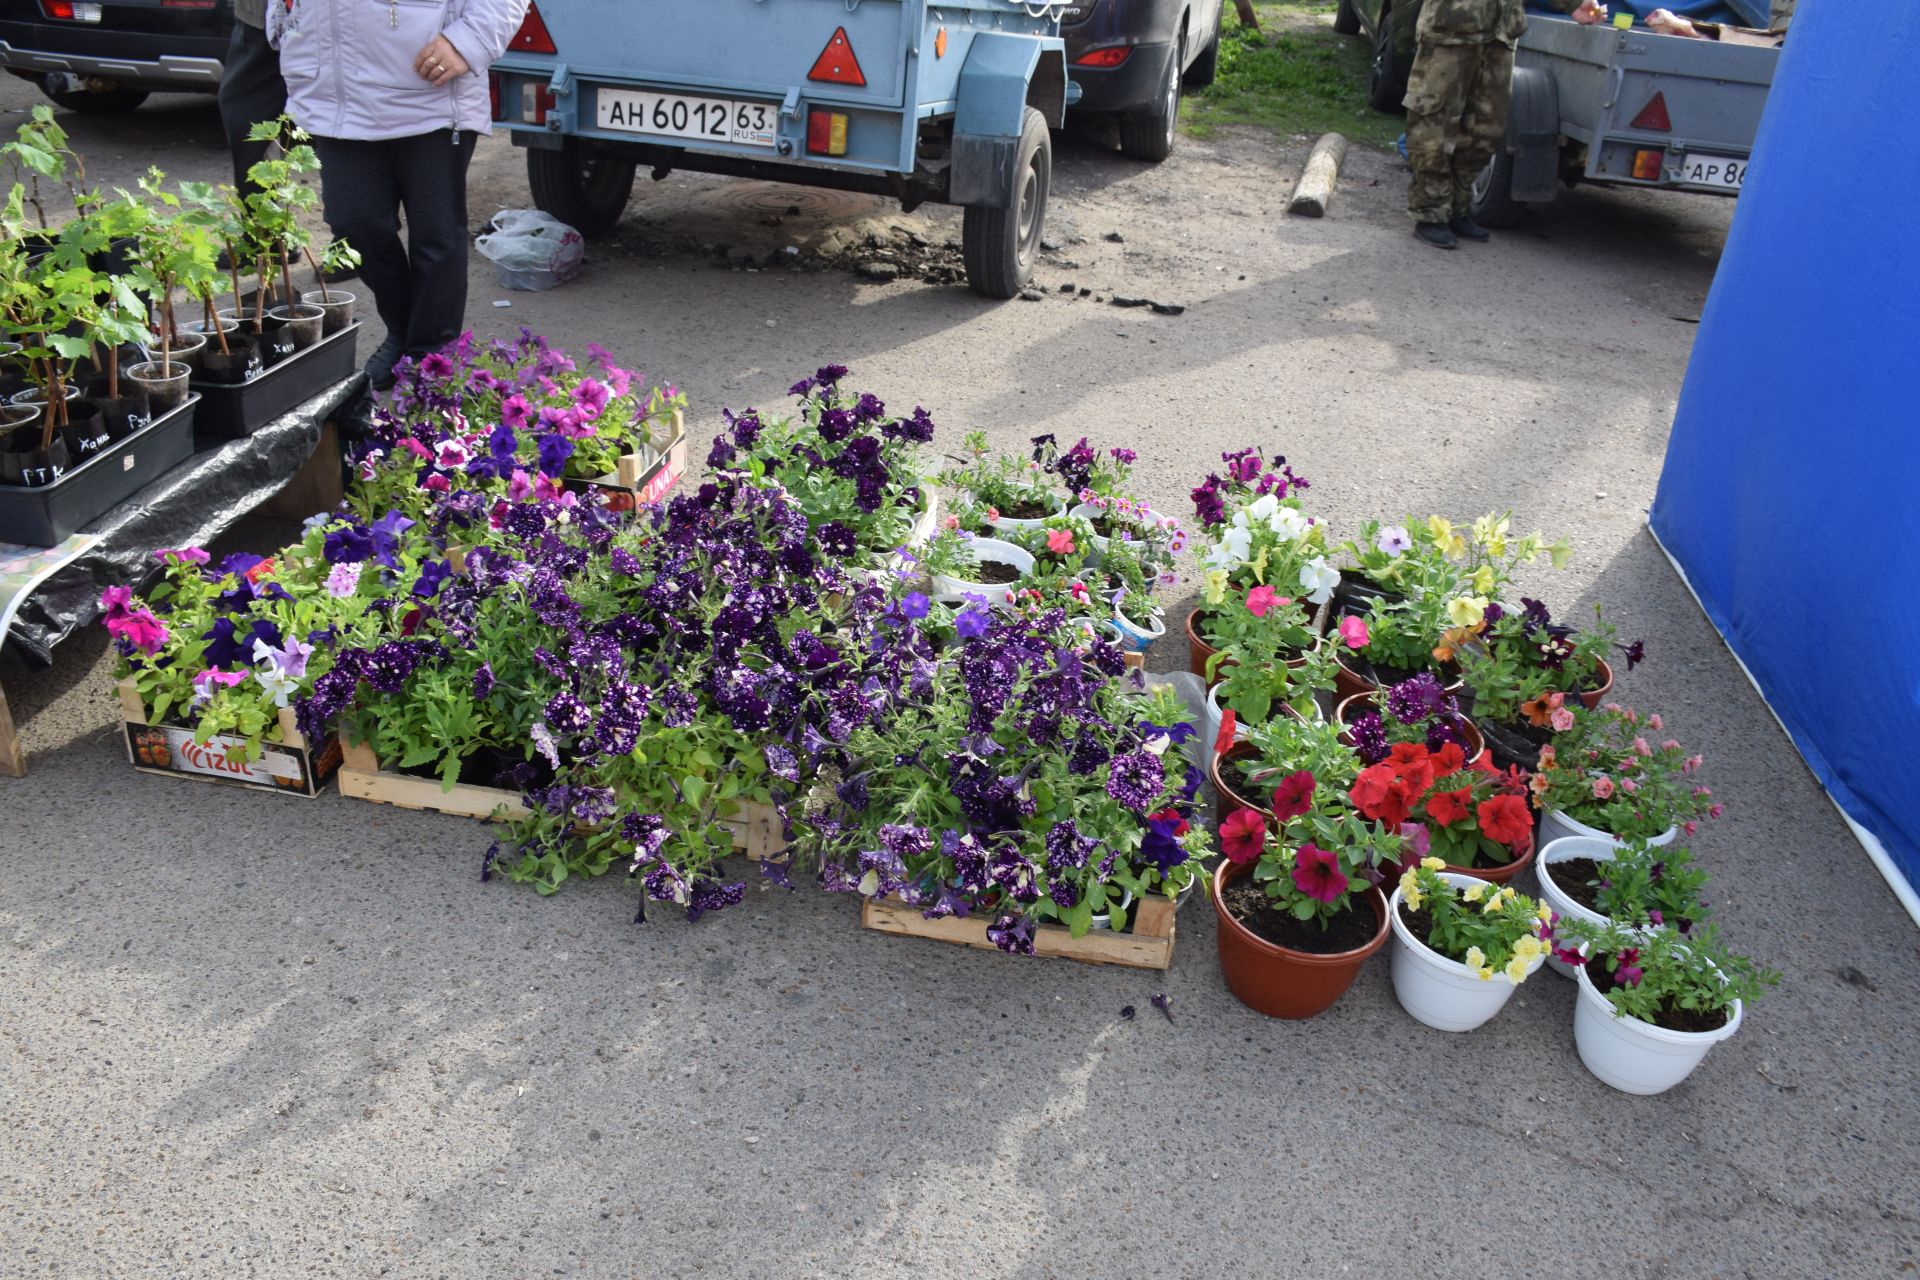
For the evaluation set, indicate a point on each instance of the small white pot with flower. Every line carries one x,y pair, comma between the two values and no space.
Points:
953,588
1485,940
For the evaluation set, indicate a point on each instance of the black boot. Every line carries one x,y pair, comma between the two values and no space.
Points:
380,363
1467,229
1435,234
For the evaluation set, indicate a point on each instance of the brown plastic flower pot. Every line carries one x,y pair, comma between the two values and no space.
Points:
1278,981
1232,800
1476,744
1198,650
1590,698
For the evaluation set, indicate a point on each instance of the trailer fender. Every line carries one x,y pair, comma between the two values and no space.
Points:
1533,135
1003,76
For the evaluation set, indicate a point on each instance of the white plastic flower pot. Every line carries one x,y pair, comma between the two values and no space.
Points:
1635,1056
1138,637
954,590
1007,524
1215,716
1443,993
1556,824
1565,849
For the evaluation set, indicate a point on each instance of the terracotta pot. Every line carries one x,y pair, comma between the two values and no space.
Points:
1198,651
1348,681
1590,698
1476,745
1231,800
1278,981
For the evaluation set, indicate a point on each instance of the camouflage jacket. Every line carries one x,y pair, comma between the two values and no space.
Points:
1477,21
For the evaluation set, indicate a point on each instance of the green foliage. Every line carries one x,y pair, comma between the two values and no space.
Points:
1492,930
1657,972
1296,77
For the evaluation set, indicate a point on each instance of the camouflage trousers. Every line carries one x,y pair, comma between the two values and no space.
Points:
1457,100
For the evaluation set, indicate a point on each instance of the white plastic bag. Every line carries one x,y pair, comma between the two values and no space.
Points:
531,249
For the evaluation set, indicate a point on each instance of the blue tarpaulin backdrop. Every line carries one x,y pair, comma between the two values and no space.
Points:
1789,498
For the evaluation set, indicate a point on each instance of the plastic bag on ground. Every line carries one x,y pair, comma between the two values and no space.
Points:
532,250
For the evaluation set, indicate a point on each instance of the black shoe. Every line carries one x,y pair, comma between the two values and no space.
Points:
1467,229
1435,234
380,363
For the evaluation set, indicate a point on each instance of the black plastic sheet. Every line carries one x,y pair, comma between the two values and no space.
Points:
190,506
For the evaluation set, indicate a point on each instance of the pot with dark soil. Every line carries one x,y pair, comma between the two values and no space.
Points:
24,462
303,321
1021,508
998,565
1461,946
336,303
165,385
1281,965
239,363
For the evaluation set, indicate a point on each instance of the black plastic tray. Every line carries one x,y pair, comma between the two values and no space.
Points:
50,514
230,411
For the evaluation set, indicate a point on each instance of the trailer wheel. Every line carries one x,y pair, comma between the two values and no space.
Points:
999,243
1493,202
587,192
1387,81
1345,21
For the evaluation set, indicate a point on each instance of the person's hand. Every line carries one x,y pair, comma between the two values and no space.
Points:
440,62
1586,15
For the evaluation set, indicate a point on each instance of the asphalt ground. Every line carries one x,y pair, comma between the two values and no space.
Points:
251,1035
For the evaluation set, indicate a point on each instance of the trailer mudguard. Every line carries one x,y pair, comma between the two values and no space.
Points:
1003,76
1533,135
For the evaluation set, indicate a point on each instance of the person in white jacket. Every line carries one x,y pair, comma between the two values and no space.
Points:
394,93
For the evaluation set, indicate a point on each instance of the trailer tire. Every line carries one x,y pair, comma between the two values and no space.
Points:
1148,135
1345,21
1493,202
107,102
1387,79
587,192
1000,243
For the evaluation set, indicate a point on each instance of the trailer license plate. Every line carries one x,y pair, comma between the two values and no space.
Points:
677,115
1723,173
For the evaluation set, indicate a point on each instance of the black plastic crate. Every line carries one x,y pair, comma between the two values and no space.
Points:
232,411
49,515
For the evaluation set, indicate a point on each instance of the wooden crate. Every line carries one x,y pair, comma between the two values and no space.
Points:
756,830
288,766
1149,946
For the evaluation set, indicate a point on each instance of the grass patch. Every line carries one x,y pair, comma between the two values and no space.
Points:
1295,76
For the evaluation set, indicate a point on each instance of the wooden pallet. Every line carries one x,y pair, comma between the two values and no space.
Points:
1148,946
756,831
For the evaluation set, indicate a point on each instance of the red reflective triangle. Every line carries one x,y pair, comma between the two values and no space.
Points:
1654,115
836,63
533,36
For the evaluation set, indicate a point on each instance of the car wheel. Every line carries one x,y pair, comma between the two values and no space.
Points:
1345,21
1205,67
1387,82
105,103
999,243
1148,134
1493,202
587,192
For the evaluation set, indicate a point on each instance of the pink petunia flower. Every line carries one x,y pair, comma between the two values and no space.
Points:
1353,632
1603,788
1060,541
1561,719
1259,600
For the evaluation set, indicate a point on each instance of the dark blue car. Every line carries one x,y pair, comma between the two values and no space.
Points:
1131,58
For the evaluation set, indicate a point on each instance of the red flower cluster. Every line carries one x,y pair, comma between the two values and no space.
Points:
1405,787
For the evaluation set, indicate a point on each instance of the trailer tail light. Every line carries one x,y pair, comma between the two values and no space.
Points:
826,133
493,95
533,36
535,101
836,63
1653,116
1647,165
1111,57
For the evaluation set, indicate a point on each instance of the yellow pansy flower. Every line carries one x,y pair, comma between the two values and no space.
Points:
1473,891
1464,611
1433,864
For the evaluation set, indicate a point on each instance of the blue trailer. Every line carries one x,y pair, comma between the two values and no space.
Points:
949,102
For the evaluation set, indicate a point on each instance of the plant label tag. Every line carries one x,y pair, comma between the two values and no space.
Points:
126,463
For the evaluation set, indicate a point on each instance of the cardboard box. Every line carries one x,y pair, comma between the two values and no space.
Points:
290,766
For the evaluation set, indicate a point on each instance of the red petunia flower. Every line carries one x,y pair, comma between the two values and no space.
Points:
1448,807
1294,795
1414,765
1449,760
1318,874
1507,819
1380,795
1243,836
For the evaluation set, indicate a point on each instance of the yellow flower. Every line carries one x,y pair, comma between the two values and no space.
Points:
1487,531
1527,947
1560,553
1433,864
1473,891
1216,591
1483,580
1440,527
1517,971
1545,913
1477,961
1464,611
1410,891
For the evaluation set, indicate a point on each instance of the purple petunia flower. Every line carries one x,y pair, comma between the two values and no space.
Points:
1012,934
1135,780
554,452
